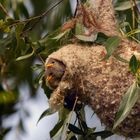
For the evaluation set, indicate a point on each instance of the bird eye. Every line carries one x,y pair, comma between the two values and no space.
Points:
53,62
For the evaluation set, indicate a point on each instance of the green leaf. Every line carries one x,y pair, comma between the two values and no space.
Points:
90,134
128,101
85,38
23,9
121,59
63,113
79,29
56,129
103,134
25,56
111,45
47,112
133,64
59,36
19,29
71,136
84,125
101,38
125,5
75,129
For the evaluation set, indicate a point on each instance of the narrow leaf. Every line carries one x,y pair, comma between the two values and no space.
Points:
111,45
128,101
45,113
25,56
85,38
60,35
56,129
75,129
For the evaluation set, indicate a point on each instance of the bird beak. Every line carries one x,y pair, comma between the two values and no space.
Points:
49,78
49,65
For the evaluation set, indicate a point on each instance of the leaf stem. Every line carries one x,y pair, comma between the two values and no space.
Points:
39,17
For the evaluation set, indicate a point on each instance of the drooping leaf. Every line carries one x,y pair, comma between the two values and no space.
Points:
25,56
56,129
75,129
128,101
111,45
47,112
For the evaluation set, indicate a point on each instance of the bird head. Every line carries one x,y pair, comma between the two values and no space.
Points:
54,70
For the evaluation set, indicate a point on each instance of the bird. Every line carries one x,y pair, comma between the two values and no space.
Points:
54,70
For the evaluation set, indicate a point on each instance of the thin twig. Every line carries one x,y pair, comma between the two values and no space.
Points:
3,9
38,18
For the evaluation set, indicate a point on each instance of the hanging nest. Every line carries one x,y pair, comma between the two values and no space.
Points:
99,84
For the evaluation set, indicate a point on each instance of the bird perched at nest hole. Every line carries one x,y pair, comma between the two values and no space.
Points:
54,70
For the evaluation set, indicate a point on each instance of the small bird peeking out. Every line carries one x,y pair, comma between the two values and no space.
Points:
54,70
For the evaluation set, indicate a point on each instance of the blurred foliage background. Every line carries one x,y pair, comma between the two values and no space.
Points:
27,29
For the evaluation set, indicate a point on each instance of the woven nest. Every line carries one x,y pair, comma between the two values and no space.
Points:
99,84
